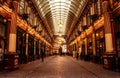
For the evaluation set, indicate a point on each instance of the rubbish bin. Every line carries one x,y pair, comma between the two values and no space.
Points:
109,61
11,61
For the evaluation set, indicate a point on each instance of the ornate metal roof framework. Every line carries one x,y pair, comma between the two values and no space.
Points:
65,12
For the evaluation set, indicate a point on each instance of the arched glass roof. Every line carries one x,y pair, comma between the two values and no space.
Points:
60,12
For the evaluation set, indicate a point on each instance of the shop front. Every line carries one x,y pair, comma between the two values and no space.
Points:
21,45
37,50
82,55
100,45
117,42
3,28
30,48
89,47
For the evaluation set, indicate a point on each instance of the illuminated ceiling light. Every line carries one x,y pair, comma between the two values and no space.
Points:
97,34
60,25
60,34
59,40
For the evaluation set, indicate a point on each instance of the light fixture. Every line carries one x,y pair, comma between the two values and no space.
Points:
60,25
60,34
60,41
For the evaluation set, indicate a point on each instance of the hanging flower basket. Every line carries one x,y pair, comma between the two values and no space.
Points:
94,17
84,27
25,16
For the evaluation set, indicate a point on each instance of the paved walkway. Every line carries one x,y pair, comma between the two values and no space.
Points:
60,67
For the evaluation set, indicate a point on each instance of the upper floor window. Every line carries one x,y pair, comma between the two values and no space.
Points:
99,7
21,6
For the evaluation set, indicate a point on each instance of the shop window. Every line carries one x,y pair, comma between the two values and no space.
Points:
37,49
99,7
88,19
118,46
92,11
1,50
117,35
3,27
82,55
100,44
21,45
95,10
89,47
31,48
21,7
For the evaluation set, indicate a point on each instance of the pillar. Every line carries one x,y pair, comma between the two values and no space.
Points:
85,46
39,50
94,48
109,55
26,52
11,58
12,33
45,48
87,56
107,27
34,48
80,46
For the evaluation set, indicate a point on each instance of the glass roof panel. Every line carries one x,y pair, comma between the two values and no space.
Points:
59,9
60,12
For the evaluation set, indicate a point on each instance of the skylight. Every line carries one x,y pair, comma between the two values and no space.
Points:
60,10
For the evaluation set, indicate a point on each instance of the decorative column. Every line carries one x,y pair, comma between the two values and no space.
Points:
34,48
94,48
26,52
80,46
45,48
93,40
11,58
109,55
107,27
85,46
77,45
39,49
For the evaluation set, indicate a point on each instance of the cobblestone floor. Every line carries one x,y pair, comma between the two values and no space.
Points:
60,67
